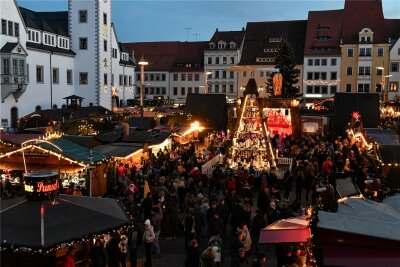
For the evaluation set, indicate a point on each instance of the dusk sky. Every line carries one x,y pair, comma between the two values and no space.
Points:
163,20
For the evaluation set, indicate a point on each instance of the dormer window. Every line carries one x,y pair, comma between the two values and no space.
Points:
366,36
212,46
270,50
33,36
63,43
49,39
232,45
221,45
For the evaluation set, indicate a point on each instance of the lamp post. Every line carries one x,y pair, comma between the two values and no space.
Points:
90,157
142,63
383,82
206,77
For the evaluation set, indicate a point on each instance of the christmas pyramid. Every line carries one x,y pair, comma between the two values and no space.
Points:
251,144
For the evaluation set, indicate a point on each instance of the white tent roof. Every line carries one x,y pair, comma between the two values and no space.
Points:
365,217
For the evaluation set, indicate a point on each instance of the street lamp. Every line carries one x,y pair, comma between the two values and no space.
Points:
142,63
206,77
383,80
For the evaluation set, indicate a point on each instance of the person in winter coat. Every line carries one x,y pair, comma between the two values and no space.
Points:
246,238
236,243
257,224
207,258
193,255
216,225
241,259
156,220
98,256
189,226
68,260
262,201
113,250
148,239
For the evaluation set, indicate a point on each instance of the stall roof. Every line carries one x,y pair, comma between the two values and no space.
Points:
70,218
73,151
286,230
86,141
141,123
146,137
383,136
389,153
365,217
18,139
118,150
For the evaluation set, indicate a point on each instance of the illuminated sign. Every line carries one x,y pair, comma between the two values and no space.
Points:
41,185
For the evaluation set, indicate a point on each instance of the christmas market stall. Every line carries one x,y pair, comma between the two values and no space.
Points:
287,237
38,230
77,164
360,233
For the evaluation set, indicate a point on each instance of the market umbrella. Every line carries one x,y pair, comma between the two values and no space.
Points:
292,230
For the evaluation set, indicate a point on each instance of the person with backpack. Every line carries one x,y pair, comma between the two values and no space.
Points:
148,239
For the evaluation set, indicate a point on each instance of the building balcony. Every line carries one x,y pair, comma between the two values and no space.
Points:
12,84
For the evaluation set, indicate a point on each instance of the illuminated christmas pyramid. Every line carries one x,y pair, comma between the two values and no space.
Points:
251,144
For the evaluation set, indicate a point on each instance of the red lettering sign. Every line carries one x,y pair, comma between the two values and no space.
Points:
46,188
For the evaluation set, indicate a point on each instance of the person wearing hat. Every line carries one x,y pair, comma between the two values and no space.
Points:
148,239
241,259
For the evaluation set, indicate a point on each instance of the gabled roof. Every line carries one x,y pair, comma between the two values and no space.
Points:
169,56
363,14
53,22
118,150
259,33
393,26
141,123
320,25
8,47
82,140
228,36
123,49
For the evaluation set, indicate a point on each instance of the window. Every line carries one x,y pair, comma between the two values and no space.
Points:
190,77
216,88
15,66
310,62
183,77
380,52
244,73
121,80
333,75
212,45
363,87
105,45
348,88
209,60
152,90
56,78
3,26
27,72
114,53
130,80
190,90
324,89
83,78
231,88
379,71
364,70
105,79
349,71
39,74
175,76
164,90
175,91
261,74
393,86
183,91
333,61
197,77
217,74
163,77
125,80
82,16
21,67
104,18
323,75
333,89
316,76
398,51
224,74
16,29
309,89
217,60
378,87
10,28
83,43
221,46
316,62
324,62
69,77
231,75
394,67
157,90
309,75
232,61
350,52
196,90
317,89
5,66
365,52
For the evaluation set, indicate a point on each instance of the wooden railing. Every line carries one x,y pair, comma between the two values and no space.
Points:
210,165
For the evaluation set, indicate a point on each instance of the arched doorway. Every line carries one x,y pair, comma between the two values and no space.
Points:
14,117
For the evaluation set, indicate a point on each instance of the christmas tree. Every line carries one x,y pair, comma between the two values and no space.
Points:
285,61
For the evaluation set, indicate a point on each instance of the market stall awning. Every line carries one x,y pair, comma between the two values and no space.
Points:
292,230
119,150
68,218
389,154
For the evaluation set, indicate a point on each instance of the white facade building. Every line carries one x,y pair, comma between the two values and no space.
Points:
184,83
394,71
46,56
223,52
321,76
